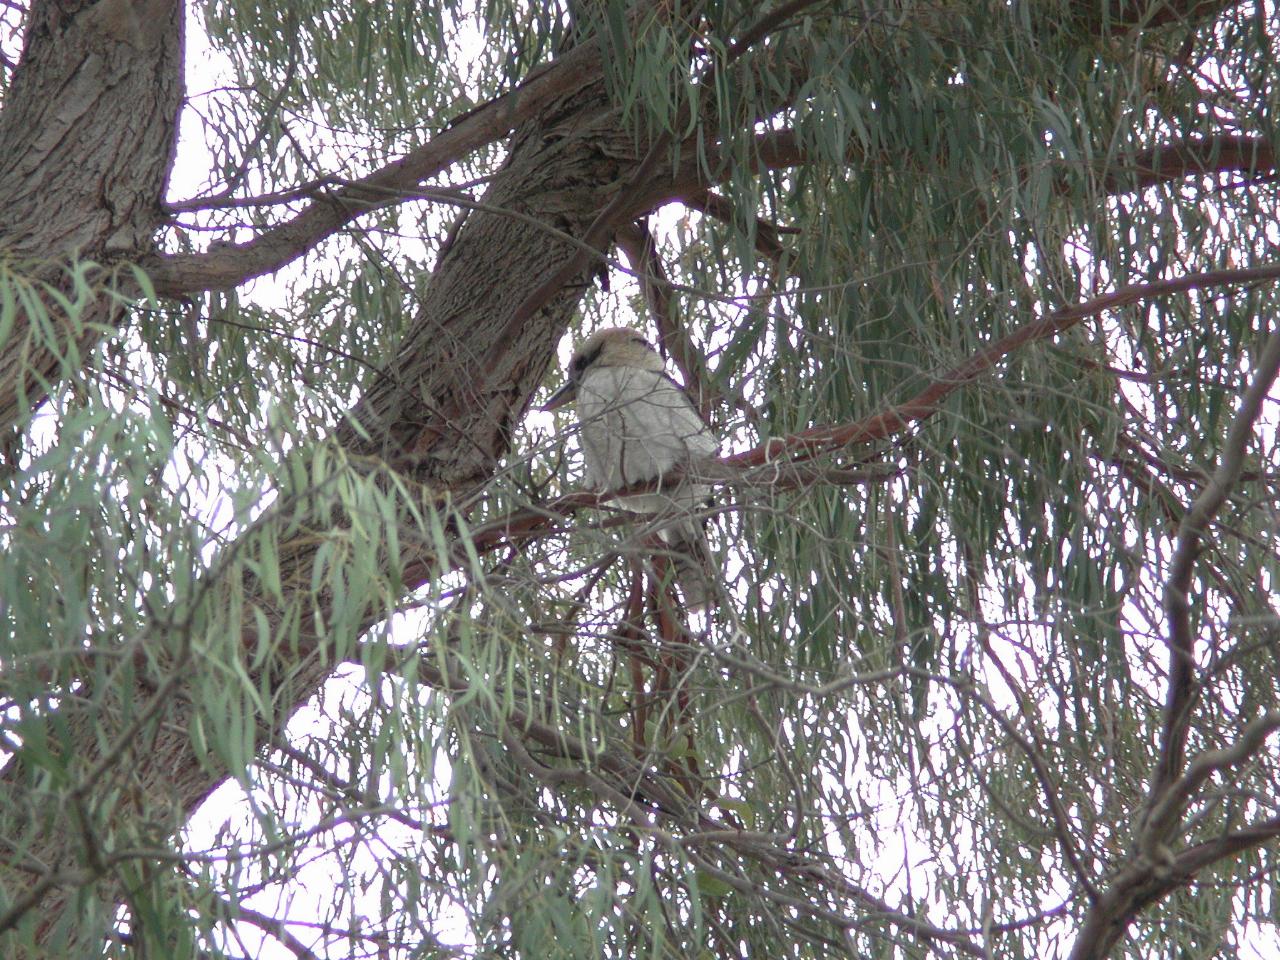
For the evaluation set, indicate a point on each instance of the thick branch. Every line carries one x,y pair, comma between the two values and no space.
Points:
481,284
563,182
1164,163
767,235
229,266
1164,815
1194,156
1145,882
1097,18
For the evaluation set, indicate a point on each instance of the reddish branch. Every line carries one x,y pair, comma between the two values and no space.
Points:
1196,155
1163,163
924,404
232,265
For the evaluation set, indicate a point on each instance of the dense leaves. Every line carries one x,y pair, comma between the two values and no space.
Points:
998,678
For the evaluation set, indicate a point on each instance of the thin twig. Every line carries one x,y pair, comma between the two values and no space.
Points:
1177,599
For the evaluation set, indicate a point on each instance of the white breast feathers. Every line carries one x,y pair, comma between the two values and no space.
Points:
637,425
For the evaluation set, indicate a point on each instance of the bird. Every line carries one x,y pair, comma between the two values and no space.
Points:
638,425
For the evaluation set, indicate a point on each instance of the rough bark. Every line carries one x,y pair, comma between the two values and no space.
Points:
442,413
87,140
463,376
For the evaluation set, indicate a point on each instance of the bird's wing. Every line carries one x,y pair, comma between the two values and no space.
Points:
637,425
700,440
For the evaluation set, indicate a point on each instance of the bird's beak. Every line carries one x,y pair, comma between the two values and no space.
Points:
562,396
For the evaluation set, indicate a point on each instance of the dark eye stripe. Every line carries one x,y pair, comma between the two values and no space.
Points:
586,360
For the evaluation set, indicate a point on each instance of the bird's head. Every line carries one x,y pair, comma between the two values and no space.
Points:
613,347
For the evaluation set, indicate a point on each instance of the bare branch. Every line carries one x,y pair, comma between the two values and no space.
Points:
1177,596
637,243
272,926
1144,882
1195,858
1155,870
1164,814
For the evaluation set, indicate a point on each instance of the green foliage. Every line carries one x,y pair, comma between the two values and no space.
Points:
938,668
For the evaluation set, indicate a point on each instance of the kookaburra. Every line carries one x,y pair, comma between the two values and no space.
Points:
638,425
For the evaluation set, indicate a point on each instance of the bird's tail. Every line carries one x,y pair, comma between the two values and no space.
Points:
695,567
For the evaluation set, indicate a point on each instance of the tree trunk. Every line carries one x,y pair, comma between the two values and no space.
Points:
463,374
442,413
87,140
